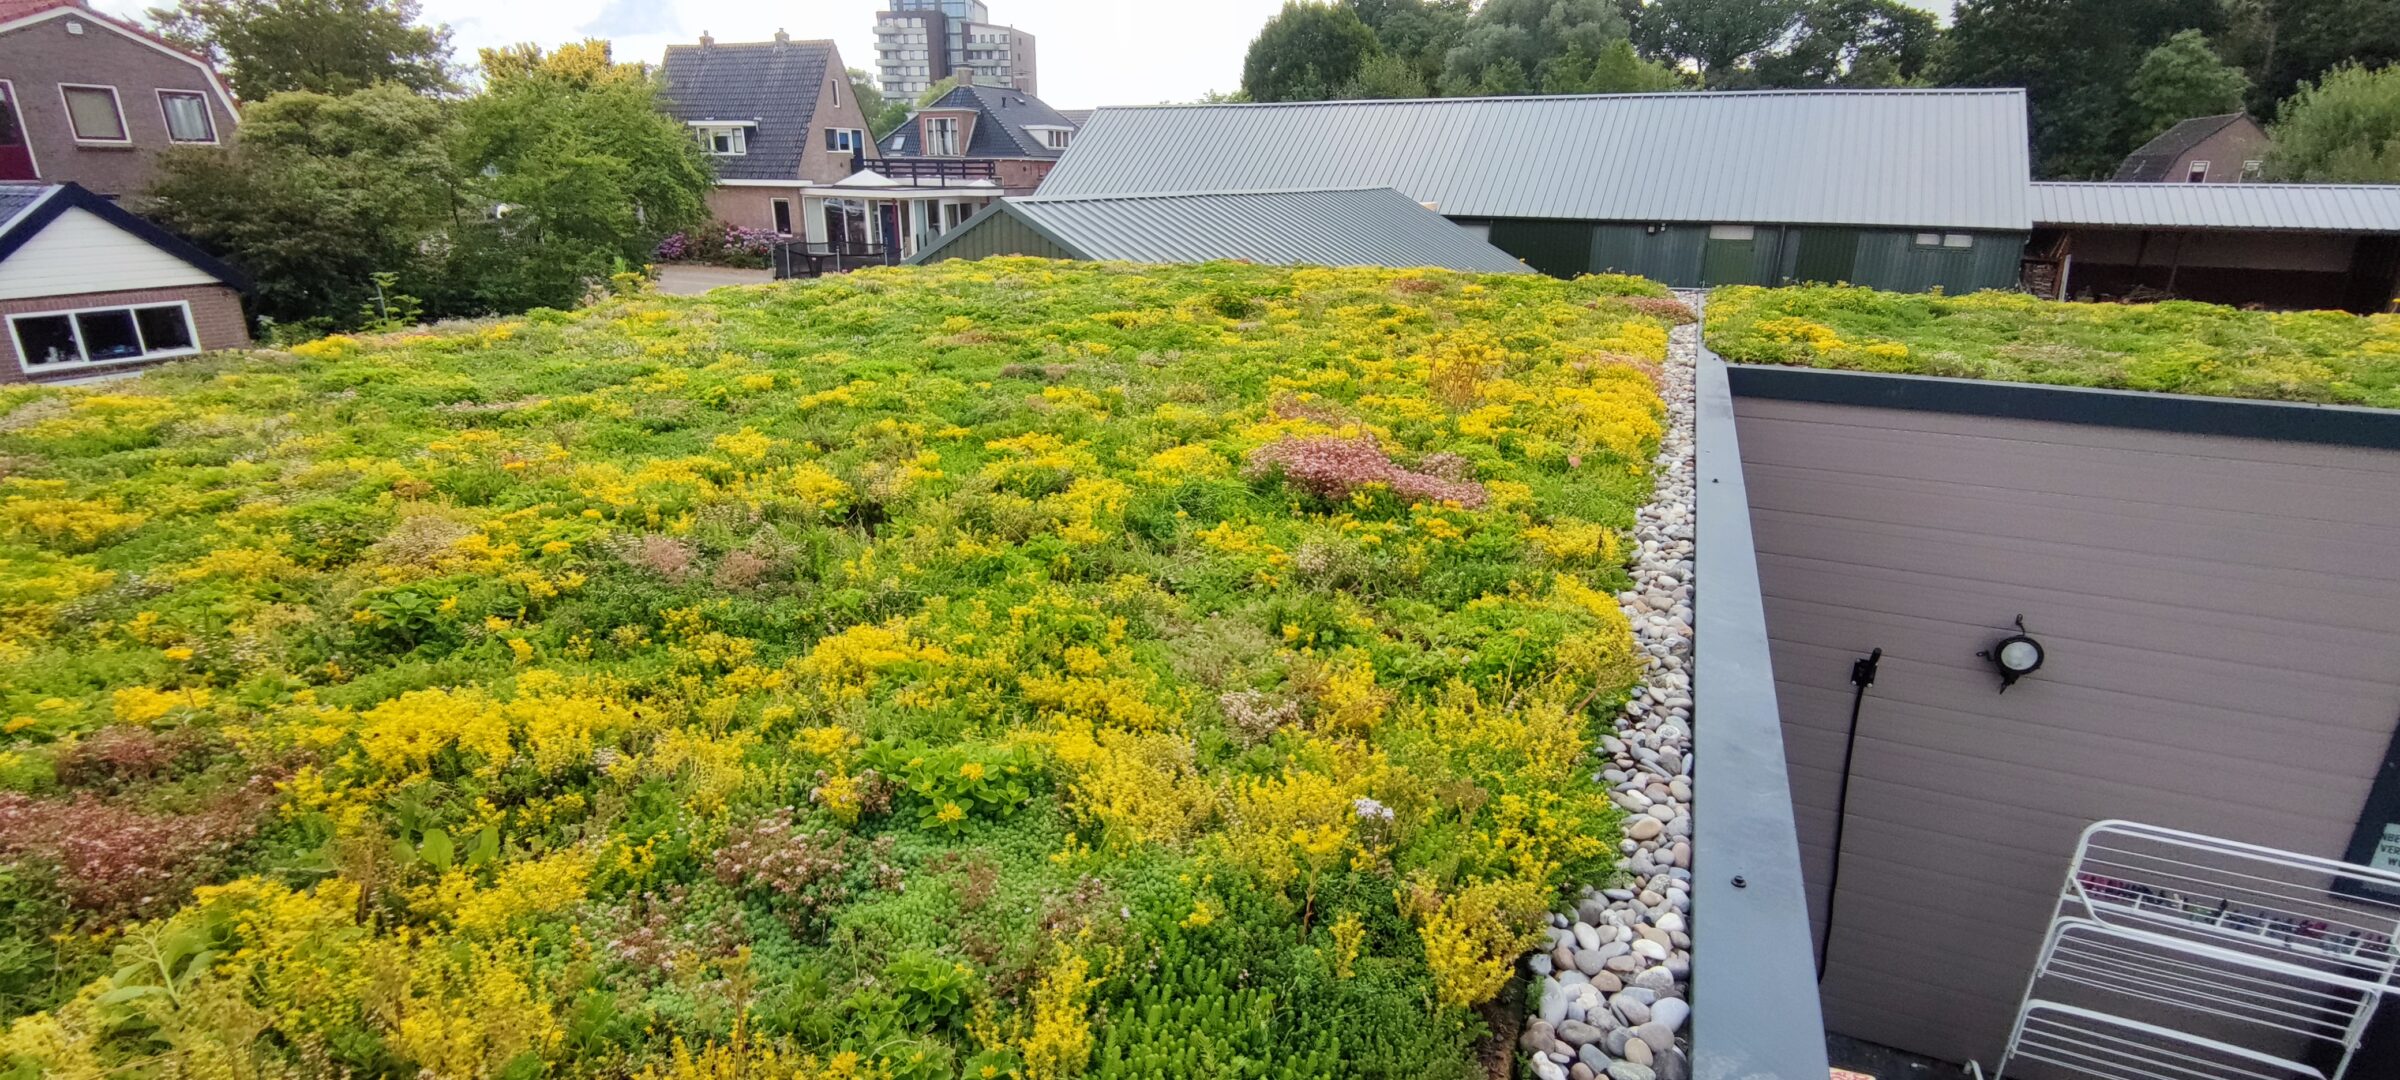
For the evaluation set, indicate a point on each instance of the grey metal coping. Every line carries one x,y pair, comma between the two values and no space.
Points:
2344,208
1755,1012
2285,421
1951,159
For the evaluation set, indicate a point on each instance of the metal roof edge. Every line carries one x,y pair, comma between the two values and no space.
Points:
1929,91
2169,185
1037,197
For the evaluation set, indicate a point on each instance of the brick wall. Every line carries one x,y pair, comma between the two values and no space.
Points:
36,59
216,319
753,207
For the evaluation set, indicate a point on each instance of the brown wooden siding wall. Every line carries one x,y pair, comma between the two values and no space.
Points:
2223,624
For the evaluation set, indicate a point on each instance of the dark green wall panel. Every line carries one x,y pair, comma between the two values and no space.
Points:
1001,234
1556,248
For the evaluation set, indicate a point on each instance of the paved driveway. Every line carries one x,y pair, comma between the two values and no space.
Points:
694,280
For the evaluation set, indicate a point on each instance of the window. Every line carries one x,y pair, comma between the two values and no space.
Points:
2199,173
782,213
1929,239
1958,240
851,139
941,136
1732,232
836,84
94,113
55,340
2252,170
187,116
1056,138
723,140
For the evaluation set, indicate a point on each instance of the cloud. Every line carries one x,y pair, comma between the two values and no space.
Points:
633,18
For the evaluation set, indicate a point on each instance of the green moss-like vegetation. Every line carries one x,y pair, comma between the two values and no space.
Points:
996,669
2177,347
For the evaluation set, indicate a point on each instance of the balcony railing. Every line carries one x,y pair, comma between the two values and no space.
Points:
932,172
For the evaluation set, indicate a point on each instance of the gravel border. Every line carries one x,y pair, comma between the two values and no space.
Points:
1615,981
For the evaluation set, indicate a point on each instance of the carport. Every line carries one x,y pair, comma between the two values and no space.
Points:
2301,246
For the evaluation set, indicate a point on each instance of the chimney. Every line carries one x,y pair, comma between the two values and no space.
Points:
782,38
705,40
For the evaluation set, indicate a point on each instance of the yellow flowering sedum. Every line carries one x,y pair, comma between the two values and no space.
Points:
1004,669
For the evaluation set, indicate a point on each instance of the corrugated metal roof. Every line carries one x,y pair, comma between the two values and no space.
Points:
2352,208
1925,158
1358,227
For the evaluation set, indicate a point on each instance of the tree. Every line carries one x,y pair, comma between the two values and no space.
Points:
2183,79
2341,129
1420,32
2075,59
586,63
583,169
1507,43
320,193
1716,36
1306,53
328,46
2283,43
1619,69
1853,43
1387,76
882,115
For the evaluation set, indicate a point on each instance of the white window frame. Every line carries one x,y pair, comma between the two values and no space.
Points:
168,121
1958,241
706,132
788,219
2196,173
2253,169
9,88
114,98
25,361
955,142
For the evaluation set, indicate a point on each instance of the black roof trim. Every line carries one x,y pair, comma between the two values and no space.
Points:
73,196
2140,410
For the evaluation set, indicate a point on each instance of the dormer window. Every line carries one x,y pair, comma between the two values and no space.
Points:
1053,137
721,139
941,136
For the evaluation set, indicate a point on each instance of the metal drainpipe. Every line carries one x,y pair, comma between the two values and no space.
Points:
1862,676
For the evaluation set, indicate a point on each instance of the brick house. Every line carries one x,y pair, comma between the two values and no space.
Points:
777,117
87,99
89,288
2202,150
1014,132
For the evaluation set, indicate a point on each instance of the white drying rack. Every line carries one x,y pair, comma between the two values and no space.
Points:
2161,934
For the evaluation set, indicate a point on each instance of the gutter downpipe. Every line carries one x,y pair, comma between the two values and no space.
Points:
1755,1010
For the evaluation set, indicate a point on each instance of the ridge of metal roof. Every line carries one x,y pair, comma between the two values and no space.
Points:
1950,159
1902,91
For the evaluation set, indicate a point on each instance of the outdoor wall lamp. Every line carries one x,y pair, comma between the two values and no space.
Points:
2016,656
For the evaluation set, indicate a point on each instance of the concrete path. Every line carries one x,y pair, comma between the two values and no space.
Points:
689,280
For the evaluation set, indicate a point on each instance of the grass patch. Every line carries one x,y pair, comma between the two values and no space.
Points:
996,669
2177,347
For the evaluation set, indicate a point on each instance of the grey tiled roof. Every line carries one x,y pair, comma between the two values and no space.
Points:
1951,159
1366,227
2152,162
2346,208
14,198
999,132
774,84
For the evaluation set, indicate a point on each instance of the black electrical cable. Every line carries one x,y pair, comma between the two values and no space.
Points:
1862,676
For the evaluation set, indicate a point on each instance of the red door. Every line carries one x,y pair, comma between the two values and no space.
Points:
16,158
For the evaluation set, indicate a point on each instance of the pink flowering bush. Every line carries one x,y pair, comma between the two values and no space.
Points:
115,862
1331,467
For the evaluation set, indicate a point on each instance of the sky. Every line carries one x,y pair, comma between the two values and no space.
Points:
1091,52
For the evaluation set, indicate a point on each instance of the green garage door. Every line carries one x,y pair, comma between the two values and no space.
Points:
1826,256
1557,248
1731,256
